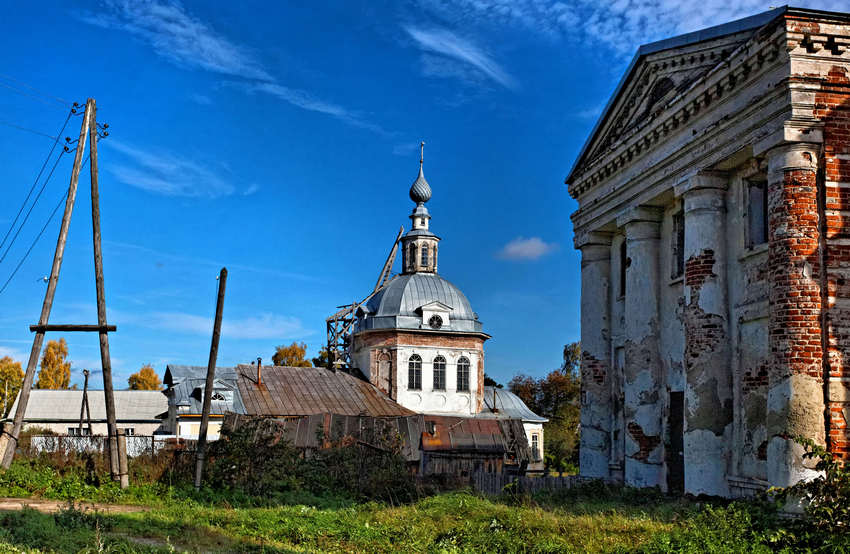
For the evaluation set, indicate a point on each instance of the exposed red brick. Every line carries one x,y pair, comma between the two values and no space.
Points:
646,443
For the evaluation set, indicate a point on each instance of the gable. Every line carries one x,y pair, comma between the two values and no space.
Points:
435,306
658,74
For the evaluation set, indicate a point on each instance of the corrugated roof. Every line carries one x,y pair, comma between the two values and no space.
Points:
186,384
475,435
508,406
301,391
64,405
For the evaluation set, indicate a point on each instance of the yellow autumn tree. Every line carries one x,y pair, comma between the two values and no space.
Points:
145,379
11,377
55,371
292,355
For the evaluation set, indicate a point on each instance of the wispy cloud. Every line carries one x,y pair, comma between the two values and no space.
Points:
201,99
522,248
620,25
165,173
448,55
15,353
263,326
188,42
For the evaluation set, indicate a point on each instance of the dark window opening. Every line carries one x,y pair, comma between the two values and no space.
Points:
414,372
624,263
756,213
439,373
678,241
463,374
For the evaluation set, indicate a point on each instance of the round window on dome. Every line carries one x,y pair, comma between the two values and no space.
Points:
435,322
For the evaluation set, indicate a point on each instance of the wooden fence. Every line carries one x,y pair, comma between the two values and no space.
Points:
495,483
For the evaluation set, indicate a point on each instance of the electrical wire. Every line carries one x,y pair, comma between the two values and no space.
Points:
35,240
20,263
35,90
35,182
34,202
27,129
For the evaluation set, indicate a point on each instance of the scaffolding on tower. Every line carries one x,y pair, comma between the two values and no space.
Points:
341,324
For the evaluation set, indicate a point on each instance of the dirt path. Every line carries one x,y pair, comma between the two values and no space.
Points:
53,506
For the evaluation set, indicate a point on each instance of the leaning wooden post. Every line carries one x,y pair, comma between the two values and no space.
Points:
83,402
9,440
208,388
105,360
121,445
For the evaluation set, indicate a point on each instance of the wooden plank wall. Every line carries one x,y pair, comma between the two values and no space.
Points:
495,483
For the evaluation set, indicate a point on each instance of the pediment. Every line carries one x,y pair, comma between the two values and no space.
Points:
659,74
435,306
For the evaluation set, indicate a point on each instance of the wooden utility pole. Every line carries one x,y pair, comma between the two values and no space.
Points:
208,387
105,360
84,406
9,441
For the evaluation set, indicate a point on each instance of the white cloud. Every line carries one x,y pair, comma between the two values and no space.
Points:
15,354
522,248
622,25
189,42
201,99
263,326
448,55
252,188
167,174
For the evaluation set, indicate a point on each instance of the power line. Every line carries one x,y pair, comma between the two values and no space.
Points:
20,263
40,171
27,129
26,217
35,90
44,227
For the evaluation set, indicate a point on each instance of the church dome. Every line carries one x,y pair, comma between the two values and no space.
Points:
398,305
420,190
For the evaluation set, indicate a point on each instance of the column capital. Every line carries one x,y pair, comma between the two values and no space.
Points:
717,181
640,214
791,156
592,238
791,132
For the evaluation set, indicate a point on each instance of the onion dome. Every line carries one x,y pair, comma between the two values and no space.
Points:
420,190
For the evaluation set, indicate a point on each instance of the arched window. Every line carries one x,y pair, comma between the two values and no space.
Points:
411,256
439,373
424,255
463,374
217,396
414,372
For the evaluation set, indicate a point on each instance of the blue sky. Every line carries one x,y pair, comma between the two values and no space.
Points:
281,141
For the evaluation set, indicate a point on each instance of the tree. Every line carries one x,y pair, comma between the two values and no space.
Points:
145,379
11,378
322,359
556,397
490,382
55,372
292,355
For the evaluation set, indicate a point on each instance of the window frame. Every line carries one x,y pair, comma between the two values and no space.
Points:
677,243
756,207
463,368
439,360
414,372
624,264
424,256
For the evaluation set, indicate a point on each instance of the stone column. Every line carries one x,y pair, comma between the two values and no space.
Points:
596,408
643,385
708,389
795,380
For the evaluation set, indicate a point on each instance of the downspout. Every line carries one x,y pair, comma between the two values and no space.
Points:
820,183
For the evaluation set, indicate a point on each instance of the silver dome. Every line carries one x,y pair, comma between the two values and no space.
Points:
420,190
395,306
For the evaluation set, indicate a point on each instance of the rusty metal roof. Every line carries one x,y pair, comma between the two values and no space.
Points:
464,434
304,391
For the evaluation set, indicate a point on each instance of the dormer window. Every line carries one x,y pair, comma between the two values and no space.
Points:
218,397
435,322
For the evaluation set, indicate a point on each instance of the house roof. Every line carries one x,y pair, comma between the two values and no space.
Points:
476,435
64,405
738,26
507,406
302,391
186,384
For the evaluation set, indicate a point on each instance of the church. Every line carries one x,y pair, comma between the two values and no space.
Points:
419,341
714,197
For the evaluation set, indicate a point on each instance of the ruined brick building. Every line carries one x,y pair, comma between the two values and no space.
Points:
714,204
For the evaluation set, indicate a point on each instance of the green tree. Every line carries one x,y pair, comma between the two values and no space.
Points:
145,379
55,371
322,359
11,378
490,382
291,355
556,397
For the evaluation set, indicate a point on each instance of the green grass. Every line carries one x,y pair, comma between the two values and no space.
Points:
594,518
